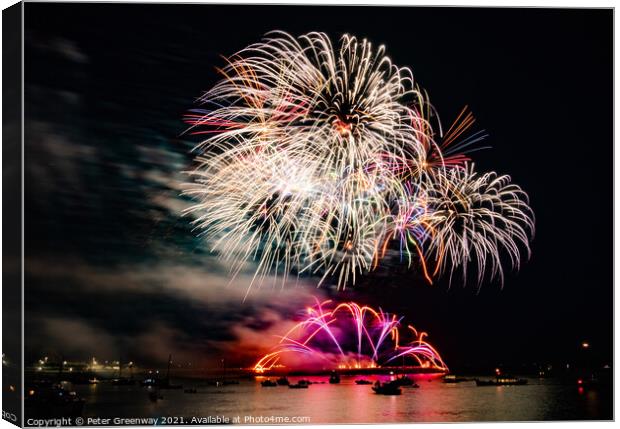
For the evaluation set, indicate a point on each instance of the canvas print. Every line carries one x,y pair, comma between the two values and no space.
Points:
304,215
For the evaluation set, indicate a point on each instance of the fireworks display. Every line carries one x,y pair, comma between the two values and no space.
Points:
320,159
351,336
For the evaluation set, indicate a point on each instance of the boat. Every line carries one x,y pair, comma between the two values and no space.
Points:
502,380
225,381
165,383
589,381
334,378
386,388
299,385
363,382
451,378
148,382
268,383
123,381
282,381
160,383
404,381
53,400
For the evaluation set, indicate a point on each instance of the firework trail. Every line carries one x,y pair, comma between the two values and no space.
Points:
324,336
318,159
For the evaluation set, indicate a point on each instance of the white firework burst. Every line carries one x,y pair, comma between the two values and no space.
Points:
477,218
316,157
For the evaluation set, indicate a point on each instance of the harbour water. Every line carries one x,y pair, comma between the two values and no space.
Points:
250,403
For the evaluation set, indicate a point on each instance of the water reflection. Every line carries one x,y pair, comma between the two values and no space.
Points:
350,403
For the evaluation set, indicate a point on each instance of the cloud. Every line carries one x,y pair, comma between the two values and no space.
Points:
259,332
210,284
69,337
147,310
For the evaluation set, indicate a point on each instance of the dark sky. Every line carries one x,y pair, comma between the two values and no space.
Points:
111,265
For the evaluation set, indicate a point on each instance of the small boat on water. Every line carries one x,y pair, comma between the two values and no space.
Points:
148,382
160,383
299,385
451,378
268,383
363,382
165,384
123,381
405,382
502,380
386,388
282,381
334,378
46,399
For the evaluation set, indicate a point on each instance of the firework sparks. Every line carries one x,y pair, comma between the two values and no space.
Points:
476,219
349,335
318,158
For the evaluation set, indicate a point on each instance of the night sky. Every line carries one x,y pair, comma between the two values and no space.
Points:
113,269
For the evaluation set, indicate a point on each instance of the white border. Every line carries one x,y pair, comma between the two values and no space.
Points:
553,4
